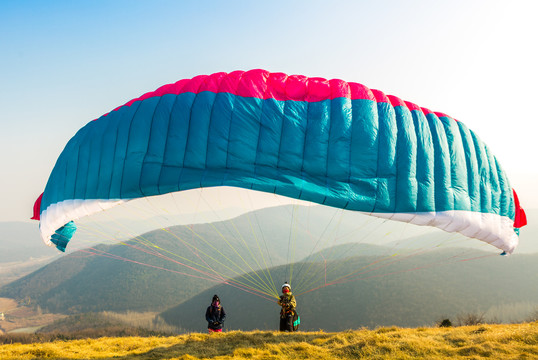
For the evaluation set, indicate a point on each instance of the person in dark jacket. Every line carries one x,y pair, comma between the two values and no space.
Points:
215,315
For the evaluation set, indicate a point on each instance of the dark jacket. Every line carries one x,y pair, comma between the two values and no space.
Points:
215,316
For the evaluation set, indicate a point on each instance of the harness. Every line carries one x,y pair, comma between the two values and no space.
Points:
286,310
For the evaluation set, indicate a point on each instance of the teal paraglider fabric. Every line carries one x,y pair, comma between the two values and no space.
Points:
61,236
331,142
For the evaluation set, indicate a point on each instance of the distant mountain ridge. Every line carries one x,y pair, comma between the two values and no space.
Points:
20,241
81,282
125,278
504,289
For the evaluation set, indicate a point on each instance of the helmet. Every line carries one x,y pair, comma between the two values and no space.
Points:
286,285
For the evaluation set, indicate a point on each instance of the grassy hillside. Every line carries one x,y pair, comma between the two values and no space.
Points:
477,342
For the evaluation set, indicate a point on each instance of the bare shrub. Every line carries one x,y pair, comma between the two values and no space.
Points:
471,319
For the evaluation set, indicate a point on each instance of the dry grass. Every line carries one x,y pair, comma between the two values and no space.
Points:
517,341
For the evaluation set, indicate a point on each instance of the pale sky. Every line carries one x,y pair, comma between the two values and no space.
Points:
65,63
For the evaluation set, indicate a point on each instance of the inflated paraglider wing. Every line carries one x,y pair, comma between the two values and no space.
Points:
328,141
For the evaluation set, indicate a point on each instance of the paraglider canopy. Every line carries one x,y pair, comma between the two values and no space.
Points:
331,142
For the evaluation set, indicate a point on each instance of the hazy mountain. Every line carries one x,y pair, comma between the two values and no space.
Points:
20,241
83,282
437,285
157,270
21,250
171,266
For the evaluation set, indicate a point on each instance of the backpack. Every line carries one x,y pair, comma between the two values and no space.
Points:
296,321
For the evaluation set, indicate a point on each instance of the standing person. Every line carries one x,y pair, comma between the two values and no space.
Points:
215,315
289,319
